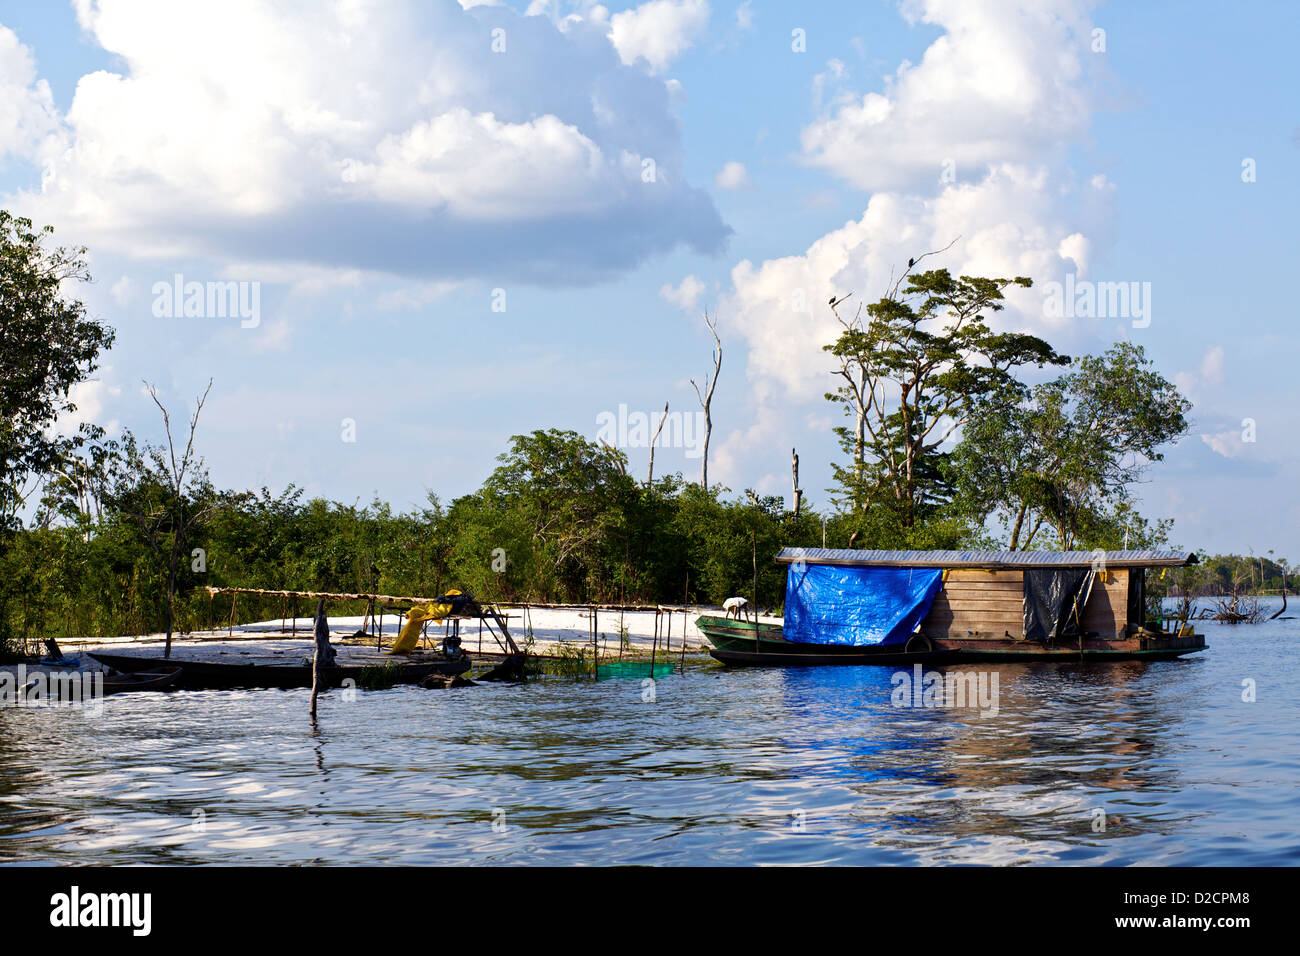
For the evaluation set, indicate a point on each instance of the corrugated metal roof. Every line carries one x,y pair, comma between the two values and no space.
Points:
987,559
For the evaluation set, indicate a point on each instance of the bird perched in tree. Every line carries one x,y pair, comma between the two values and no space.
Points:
832,300
910,263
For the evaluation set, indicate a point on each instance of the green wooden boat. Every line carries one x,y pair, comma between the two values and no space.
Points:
762,644
746,643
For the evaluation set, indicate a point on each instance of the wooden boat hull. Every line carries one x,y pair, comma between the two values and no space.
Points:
744,643
202,675
163,679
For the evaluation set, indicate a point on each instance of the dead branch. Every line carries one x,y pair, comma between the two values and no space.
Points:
705,396
650,471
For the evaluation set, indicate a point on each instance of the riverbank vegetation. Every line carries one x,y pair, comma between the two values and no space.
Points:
956,436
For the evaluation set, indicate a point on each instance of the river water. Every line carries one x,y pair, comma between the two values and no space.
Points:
1161,763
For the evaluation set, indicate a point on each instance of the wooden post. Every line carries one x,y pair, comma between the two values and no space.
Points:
234,598
797,492
379,631
654,645
753,537
324,656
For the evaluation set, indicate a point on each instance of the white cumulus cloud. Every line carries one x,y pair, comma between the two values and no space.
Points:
685,296
658,31
28,119
1001,94
732,175
415,138
1004,77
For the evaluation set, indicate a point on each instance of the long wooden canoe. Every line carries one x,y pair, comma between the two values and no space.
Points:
161,679
204,675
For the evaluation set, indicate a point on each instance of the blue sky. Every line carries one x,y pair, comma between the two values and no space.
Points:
386,176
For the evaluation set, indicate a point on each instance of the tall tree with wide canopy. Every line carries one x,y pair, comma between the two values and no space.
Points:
47,345
566,494
915,366
1064,458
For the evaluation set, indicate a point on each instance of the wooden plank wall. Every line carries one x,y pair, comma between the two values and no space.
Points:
989,605
1107,609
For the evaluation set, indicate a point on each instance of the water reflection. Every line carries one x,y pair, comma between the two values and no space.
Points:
794,766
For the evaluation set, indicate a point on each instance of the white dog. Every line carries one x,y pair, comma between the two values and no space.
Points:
736,604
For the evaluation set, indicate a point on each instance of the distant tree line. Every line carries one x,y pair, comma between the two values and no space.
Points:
1233,574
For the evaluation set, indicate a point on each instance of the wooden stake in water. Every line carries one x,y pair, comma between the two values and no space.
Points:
324,656
654,645
683,666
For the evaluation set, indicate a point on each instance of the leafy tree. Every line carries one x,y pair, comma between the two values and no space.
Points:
47,345
914,369
566,492
1065,457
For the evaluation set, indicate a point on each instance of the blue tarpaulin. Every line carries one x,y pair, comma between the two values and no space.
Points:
826,604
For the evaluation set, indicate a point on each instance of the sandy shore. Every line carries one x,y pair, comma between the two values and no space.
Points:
552,630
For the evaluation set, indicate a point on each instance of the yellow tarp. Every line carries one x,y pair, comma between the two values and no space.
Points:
415,619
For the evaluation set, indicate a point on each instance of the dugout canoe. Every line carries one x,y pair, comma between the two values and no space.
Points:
164,678
205,675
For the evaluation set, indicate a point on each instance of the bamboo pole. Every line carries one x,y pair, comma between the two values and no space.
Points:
400,599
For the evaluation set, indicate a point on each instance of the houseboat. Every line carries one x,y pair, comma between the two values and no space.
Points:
903,607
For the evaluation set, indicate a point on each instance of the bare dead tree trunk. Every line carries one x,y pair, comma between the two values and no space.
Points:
176,512
650,472
706,395
796,491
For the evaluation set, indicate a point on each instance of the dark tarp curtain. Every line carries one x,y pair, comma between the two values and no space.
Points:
1051,597
825,604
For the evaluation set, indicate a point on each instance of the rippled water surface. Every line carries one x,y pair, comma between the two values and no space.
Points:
747,766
